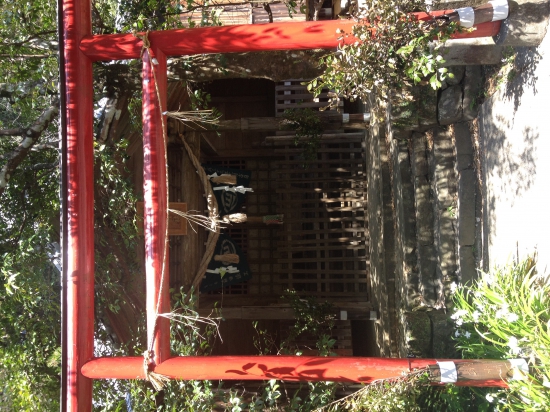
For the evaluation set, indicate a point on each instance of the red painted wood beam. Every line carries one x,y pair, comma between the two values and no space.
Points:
78,273
288,368
241,38
155,206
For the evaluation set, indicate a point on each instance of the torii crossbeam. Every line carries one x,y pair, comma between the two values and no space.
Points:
78,50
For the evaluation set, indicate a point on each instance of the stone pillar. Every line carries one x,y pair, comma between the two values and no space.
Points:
526,24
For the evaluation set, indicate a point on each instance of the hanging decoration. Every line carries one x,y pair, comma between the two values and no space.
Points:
243,218
227,267
230,196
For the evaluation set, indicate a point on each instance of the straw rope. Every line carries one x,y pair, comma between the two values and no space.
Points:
213,214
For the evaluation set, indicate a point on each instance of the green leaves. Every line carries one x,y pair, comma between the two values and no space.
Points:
308,128
506,315
392,48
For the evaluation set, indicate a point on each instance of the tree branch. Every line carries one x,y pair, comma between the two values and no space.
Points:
28,39
31,137
10,90
43,166
12,132
34,40
44,146
27,56
267,8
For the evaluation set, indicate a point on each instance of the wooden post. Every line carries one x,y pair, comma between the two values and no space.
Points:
485,372
78,208
271,124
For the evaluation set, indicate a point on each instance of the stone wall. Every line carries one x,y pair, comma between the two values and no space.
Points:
435,207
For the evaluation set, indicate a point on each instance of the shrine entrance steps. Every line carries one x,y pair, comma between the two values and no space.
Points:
424,218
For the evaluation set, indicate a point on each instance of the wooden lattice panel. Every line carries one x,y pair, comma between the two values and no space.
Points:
323,245
262,253
292,94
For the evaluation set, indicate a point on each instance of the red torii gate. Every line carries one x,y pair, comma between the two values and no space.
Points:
78,50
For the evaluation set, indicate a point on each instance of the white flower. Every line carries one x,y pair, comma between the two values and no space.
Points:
467,334
457,316
475,316
454,287
459,313
502,312
457,333
546,383
512,317
513,345
490,398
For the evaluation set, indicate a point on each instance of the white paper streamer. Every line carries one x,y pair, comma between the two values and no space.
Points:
467,16
448,372
520,369
239,189
500,9
228,269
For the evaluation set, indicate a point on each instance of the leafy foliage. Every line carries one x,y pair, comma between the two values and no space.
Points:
115,221
411,392
506,315
30,326
387,49
308,128
195,336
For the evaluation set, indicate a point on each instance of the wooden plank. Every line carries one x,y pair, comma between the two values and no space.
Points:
301,105
290,271
300,96
327,170
239,99
311,189
255,312
320,150
325,295
284,88
328,219
344,260
359,199
285,140
227,154
177,225
339,230
327,281
313,166
325,136
292,180
312,248
323,241
315,205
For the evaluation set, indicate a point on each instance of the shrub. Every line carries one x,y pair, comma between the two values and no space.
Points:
506,315
387,50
